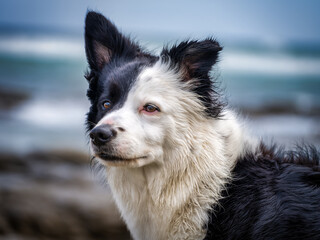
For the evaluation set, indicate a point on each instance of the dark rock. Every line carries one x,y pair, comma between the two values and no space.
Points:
52,195
10,98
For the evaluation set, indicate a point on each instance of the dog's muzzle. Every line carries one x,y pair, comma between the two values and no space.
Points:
102,134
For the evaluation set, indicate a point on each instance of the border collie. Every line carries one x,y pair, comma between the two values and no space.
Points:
179,163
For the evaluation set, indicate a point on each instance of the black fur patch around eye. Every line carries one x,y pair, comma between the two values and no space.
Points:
113,84
114,63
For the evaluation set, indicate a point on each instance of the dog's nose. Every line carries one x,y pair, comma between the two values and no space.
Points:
102,134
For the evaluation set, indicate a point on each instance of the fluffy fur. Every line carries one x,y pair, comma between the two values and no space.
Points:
179,163
273,195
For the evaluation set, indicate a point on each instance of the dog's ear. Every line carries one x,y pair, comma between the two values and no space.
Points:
103,41
194,59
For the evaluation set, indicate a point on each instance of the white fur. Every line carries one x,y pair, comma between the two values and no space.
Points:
188,158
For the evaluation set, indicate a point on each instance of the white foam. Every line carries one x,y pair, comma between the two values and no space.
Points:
236,61
57,114
283,64
49,47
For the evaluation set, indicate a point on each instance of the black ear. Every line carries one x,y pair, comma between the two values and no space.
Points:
103,41
194,58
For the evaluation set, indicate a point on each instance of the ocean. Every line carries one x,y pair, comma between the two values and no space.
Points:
276,87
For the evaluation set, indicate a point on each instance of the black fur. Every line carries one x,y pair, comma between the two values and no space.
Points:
115,61
194,60
103,42
274,195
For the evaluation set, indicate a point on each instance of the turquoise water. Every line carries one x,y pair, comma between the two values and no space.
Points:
50,69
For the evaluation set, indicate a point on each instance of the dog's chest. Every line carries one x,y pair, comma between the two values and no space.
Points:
143,217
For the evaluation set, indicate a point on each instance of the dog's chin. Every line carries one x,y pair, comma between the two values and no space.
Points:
115,161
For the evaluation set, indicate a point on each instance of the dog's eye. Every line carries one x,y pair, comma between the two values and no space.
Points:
150,108
107,104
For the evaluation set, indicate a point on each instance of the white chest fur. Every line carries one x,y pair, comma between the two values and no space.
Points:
143,217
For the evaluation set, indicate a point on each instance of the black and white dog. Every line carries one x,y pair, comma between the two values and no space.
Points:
179,163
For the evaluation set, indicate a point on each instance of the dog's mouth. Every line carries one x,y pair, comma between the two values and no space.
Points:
113,158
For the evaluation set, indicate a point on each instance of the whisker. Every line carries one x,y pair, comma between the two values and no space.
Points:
94,124
92,163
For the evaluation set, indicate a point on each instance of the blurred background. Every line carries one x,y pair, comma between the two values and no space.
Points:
269,71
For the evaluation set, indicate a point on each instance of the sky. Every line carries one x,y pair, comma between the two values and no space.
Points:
272,20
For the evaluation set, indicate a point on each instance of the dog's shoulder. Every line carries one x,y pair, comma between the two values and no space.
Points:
272,193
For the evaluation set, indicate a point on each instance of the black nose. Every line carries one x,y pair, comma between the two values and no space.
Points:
102,134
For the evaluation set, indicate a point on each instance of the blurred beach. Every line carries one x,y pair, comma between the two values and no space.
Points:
47,188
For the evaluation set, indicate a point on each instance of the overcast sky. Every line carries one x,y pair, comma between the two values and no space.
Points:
271,20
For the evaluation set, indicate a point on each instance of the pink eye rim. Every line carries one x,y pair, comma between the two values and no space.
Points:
151,108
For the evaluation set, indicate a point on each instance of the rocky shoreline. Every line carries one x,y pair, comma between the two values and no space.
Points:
53,195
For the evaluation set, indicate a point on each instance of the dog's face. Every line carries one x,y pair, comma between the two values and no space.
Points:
141,105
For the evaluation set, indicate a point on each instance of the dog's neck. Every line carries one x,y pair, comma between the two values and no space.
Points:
172,200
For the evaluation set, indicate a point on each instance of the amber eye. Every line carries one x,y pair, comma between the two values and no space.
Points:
107,104
151,108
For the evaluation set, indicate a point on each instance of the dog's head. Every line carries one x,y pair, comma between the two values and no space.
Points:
142,105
